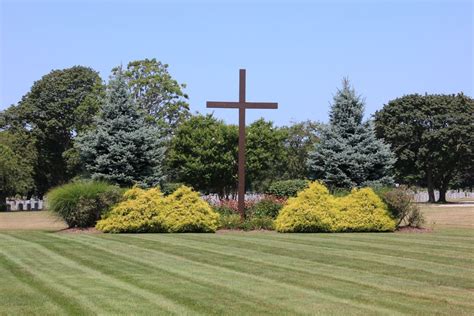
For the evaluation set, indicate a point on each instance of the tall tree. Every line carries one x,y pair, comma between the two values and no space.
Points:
123,148
157,93
23,146
348,154
203,154
432,137
59,106
15,176
265,156
300,139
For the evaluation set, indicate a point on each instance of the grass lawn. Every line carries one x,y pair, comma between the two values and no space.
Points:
46,272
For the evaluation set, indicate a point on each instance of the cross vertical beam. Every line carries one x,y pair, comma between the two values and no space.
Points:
242,105
241,163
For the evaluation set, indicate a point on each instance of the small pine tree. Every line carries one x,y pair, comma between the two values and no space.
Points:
348,154
123,149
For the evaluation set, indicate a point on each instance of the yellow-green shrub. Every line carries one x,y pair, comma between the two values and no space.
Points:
137,213
316,210
144,211
185,211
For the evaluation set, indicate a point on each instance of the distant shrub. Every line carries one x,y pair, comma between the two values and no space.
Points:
316,210
149,211
81,203
230,221
258,223
224,210
170,187
287,188
269,206
400,205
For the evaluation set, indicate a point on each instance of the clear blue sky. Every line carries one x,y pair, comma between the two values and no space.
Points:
295,53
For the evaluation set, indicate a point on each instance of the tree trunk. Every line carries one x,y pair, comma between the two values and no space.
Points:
429,180
442,195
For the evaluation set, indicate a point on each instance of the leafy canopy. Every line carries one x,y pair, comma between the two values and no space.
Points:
58,107
156,92
431,136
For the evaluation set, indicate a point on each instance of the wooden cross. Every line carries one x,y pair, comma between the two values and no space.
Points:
242,105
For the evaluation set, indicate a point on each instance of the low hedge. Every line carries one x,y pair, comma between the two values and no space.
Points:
267,207
147,211
82,203
316,210
287,188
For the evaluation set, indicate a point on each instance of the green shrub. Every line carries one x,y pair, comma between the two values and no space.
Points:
81,203
287,188
400,205
316,210
149,211
258,223
170,187
230,221
267,207
224,210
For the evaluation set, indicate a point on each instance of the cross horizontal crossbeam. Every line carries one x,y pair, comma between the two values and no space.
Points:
239,105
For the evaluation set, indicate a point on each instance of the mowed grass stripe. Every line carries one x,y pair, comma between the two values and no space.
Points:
455,258
389,239
338,260
424,239
18,286
280,294
117,267
28,270
340,289
231,301
396,262
43,252
367,279
250,273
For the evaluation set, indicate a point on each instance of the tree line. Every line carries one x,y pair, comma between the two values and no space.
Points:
138,129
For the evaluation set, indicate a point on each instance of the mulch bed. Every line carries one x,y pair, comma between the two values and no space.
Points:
415,230
226,231
89,230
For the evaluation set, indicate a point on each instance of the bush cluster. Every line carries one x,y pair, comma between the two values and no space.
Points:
287,188
400,205
145,211
270,206
82,203
316,210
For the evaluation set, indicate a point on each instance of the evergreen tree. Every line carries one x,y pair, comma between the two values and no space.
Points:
348,154
124,149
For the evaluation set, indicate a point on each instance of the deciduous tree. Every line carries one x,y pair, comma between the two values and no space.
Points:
157,93
59,106
432,137
15,176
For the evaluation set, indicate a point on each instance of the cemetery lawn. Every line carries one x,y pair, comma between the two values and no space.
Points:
45,272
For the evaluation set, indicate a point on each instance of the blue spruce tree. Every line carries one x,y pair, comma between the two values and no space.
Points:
348,154
124,148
